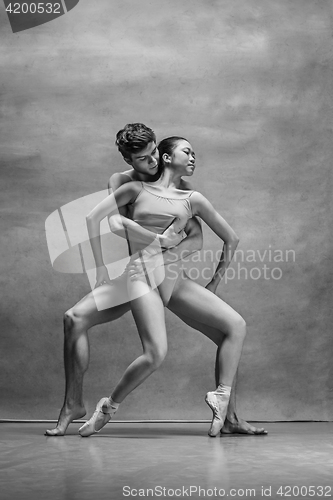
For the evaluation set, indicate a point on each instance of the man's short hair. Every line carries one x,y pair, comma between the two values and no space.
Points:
133,138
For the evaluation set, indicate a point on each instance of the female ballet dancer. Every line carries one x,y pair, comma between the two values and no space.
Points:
153,206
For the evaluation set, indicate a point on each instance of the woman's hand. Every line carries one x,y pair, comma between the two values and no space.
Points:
102,276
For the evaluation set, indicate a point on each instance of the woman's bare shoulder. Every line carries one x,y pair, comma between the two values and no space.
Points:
197,196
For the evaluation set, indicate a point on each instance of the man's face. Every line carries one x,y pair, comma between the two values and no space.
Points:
146,161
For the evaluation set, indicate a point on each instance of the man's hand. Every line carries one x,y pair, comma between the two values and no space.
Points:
172,236
102,276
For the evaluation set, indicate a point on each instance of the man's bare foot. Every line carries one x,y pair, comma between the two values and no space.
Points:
239,426
65,418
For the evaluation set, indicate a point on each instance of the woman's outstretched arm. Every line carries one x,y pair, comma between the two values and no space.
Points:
205,210
121,197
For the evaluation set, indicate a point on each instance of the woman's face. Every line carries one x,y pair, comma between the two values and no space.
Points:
183,158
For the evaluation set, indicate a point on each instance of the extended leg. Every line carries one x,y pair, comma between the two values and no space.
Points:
77,322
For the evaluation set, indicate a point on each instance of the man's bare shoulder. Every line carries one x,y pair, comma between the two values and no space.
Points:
185,185
119,178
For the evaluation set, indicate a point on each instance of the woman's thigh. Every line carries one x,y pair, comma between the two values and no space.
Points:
210,332
148,313
201,307
172,274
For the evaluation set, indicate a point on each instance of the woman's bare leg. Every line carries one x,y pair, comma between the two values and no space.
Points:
77,322
233,424
226,327
201,305
148,313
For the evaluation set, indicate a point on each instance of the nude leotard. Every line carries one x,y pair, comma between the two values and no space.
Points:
154,208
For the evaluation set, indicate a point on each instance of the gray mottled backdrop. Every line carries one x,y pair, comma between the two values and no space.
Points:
249,82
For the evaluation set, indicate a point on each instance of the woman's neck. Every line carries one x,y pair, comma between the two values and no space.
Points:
169,179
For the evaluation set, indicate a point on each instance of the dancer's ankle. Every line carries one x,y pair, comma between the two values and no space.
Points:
232,416
110,406
223,390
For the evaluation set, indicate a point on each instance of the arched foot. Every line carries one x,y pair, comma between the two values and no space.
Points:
67,415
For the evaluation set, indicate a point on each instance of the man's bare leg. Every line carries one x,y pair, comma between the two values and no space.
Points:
232,424
77,322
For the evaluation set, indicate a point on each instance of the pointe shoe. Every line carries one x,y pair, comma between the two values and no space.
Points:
219,405
97,421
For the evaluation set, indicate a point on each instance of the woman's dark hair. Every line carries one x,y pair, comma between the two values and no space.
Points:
133,138
168,145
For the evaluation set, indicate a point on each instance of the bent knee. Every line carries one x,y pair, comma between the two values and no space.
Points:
72,319
69,317
238,327
241,323
156,357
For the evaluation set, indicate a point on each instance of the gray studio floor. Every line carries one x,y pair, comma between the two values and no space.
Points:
127,459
